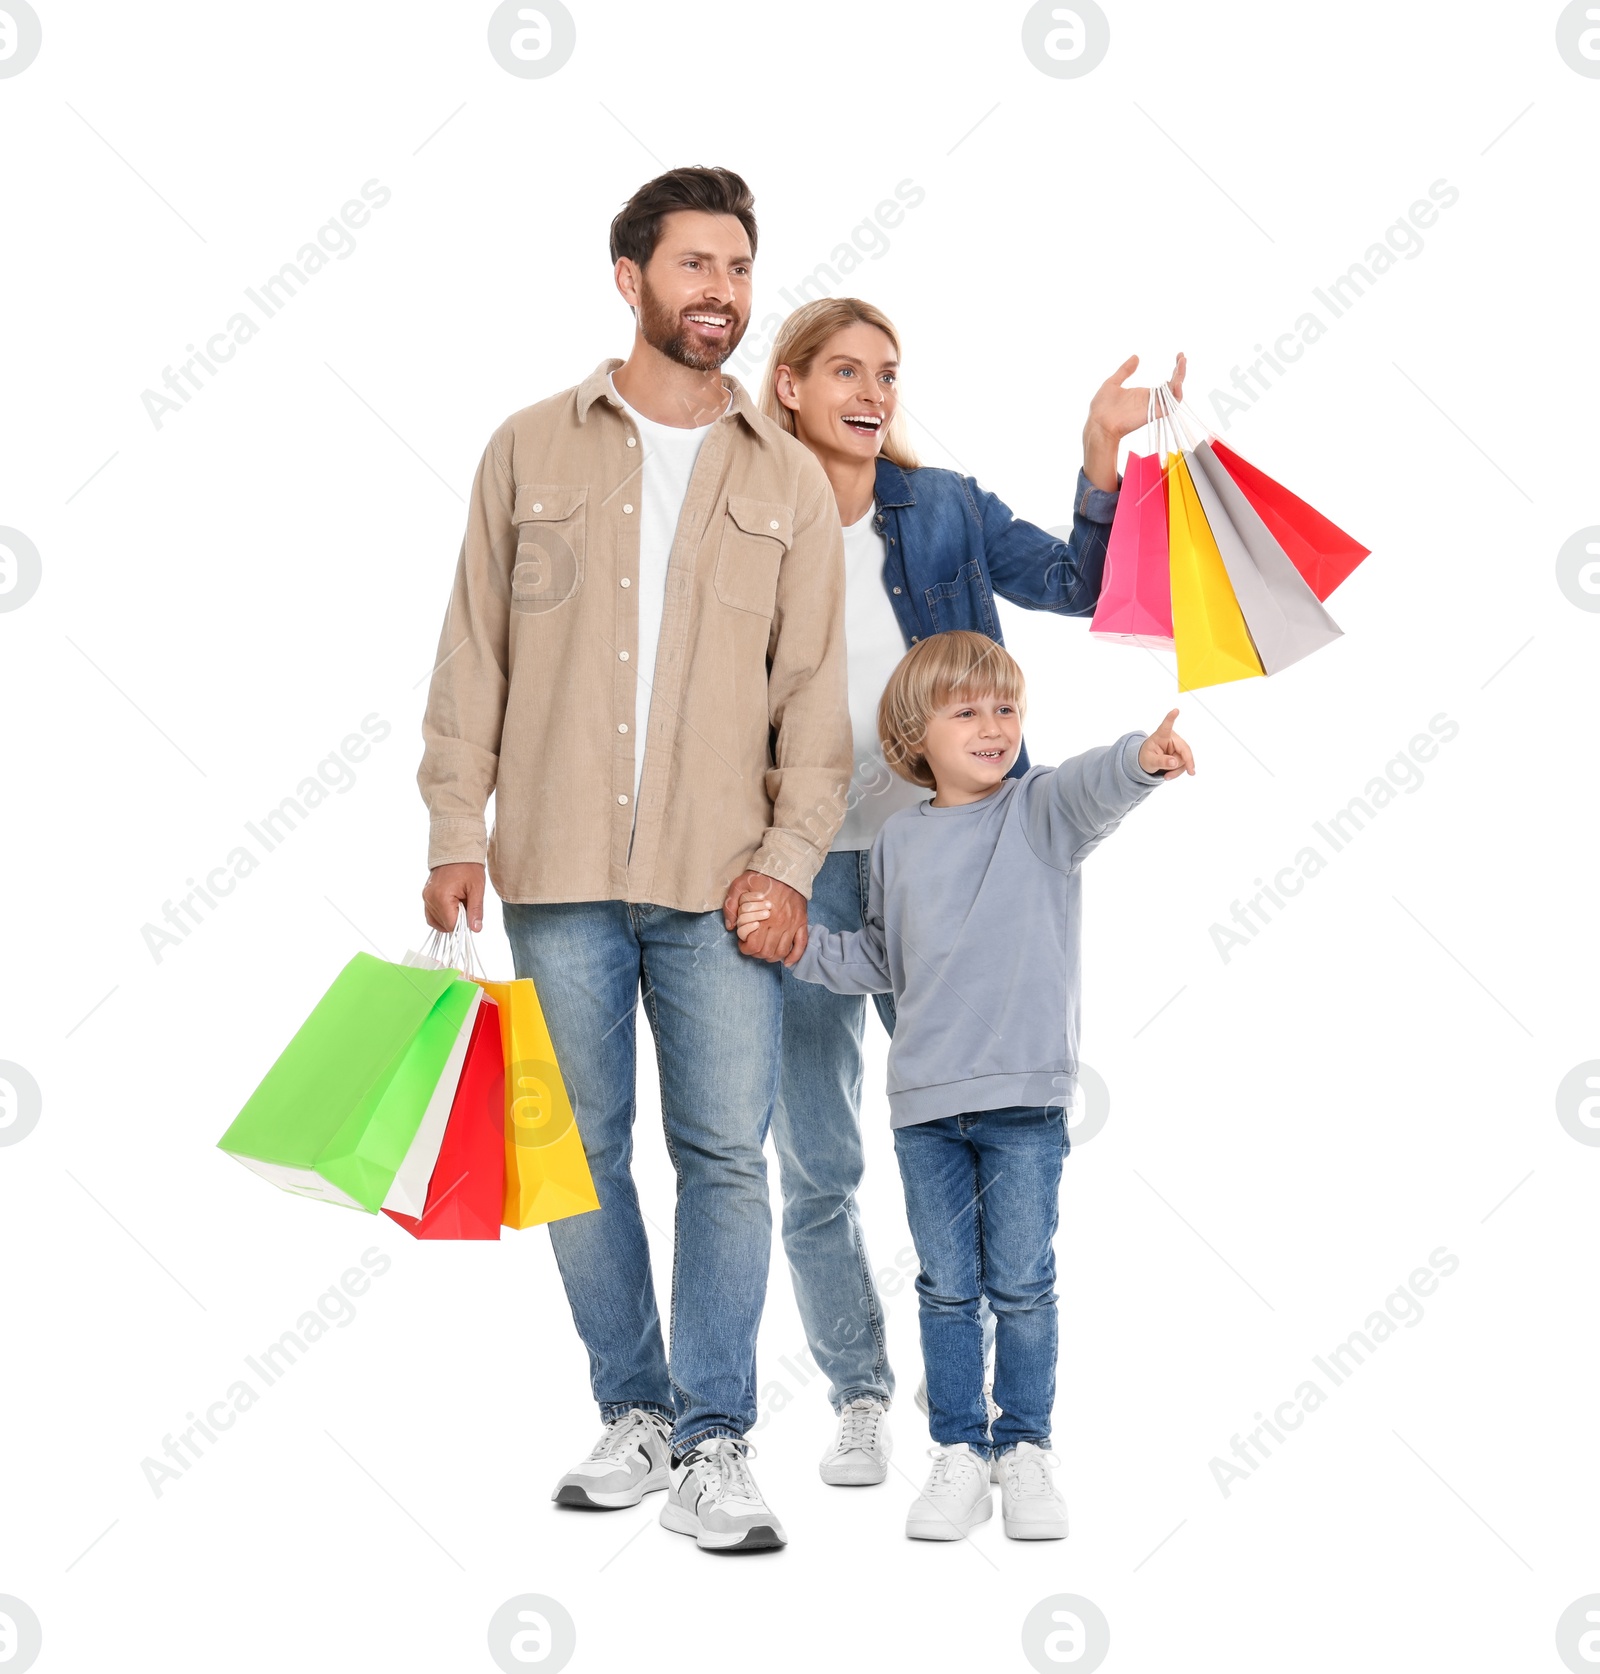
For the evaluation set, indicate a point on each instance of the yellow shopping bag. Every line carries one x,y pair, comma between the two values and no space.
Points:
1214,645
547,1173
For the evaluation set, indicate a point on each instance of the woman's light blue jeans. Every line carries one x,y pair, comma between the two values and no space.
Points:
816,1130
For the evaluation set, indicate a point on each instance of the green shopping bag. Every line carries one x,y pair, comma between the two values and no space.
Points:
334,1116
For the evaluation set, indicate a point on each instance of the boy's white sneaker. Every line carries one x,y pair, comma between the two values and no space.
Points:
1031,1506
954,1499
860,1453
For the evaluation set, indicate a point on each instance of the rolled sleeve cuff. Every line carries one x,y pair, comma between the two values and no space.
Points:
1097,504
452,841
795,865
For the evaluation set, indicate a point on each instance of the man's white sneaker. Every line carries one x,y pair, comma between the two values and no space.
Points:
860,1453
1031,1506
954,1499
629,1461
714,1498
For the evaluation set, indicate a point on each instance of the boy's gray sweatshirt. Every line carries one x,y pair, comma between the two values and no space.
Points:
972,922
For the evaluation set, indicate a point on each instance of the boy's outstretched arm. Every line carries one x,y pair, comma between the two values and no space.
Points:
1073,809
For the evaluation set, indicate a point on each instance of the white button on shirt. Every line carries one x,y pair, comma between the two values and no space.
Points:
665,468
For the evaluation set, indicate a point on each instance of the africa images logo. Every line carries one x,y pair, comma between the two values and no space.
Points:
20,39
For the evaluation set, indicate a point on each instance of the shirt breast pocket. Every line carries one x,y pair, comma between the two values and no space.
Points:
755,536
548,568
961,602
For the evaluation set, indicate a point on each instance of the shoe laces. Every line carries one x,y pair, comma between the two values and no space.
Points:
1027,1471
622,1435
721,1469
859,1422
951,1467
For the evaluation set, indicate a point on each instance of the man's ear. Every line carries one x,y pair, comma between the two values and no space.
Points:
626,274
783,383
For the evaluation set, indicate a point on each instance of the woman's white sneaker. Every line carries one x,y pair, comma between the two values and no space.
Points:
1031,1506
629,1461
860,1453
954,1499
714,1498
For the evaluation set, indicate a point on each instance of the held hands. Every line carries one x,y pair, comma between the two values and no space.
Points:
769,916
1164,752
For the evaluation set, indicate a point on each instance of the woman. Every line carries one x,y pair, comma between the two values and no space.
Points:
926,550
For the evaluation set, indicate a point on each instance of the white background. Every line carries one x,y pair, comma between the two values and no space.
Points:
1292,1135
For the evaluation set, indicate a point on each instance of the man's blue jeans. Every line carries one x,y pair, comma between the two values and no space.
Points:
982,1192
816,1129
717,1018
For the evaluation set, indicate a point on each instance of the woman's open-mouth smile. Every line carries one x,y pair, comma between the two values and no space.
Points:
864,424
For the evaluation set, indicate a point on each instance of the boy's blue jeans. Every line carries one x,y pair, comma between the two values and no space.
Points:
982,1195
717,1018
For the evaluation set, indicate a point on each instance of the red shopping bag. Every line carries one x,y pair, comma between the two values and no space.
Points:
467,1188
1136,594
1321,551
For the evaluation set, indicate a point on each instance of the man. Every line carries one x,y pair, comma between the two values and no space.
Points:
644,660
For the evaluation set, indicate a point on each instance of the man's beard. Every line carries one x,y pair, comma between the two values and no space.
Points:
665,331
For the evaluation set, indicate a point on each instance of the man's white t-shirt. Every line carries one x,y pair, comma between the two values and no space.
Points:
663,485
874,644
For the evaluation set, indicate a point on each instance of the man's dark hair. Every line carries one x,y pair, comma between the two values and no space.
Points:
637,227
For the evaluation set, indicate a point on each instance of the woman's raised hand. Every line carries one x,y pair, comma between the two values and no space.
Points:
1116,412
1119,411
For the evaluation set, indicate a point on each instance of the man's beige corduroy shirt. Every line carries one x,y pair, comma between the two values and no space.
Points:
535,698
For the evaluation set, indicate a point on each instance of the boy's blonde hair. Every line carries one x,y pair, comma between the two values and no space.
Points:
944,668
803,336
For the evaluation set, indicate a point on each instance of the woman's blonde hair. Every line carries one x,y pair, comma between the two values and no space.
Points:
944,668
804,336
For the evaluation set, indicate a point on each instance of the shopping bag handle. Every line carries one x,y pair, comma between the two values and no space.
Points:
455,949
1167,421
1184,422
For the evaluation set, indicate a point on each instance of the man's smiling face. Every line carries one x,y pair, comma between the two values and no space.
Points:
694,293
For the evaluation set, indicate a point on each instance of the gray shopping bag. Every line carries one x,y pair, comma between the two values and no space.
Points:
1285,618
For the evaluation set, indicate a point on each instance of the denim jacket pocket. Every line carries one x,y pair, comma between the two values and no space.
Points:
548,569
755,536
962,602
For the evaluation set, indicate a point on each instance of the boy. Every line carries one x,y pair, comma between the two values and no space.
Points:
973,925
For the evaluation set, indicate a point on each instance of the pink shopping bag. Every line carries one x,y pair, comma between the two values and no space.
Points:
1136,594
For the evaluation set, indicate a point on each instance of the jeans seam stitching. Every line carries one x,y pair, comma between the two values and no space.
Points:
869,1290
647,994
